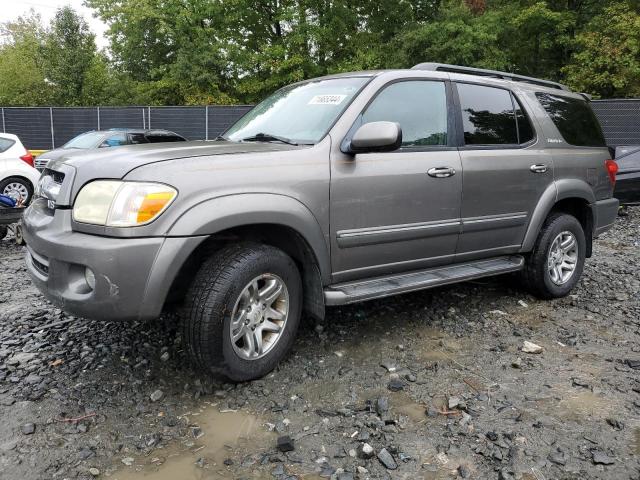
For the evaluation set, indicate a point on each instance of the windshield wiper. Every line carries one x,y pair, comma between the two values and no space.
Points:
267,137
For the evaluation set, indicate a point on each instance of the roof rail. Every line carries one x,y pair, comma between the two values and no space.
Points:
443,67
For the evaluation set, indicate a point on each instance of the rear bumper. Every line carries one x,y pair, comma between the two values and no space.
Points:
132,275
605,213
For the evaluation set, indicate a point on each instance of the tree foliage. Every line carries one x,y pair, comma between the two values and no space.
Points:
237,51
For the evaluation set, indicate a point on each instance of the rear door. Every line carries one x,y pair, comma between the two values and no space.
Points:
393,211
504,170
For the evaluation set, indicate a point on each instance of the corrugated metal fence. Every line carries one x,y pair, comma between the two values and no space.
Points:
620,120
44,128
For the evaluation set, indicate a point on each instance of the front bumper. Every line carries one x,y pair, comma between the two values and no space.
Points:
628,188
132,275
605,213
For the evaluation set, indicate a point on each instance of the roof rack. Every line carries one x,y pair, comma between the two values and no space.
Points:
443,67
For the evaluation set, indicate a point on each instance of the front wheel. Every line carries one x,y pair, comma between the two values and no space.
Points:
556,263
242,311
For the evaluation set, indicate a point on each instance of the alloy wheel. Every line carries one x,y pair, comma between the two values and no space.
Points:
562,258
259,316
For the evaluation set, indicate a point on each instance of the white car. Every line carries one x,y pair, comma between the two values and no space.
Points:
17,175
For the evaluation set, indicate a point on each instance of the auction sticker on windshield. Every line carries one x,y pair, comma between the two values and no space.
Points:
327,99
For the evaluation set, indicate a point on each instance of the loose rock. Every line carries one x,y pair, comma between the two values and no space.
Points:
530,347
387,460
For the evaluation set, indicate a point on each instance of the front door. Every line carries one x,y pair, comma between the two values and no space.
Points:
504,171
398,211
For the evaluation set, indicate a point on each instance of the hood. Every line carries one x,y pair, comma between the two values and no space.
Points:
81,166
117,162
58,153
628,159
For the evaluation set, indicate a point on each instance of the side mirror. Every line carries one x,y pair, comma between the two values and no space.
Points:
376,137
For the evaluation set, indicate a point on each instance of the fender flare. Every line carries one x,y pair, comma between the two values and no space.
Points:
222,213
559,190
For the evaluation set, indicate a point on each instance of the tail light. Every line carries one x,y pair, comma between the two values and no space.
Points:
612,169
27,158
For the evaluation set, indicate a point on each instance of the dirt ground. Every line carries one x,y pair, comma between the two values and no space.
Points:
430,385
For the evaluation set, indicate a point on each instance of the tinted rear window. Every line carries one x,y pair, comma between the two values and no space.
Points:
574,119
492,116
164,138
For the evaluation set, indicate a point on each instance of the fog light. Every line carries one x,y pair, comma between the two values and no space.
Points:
90,277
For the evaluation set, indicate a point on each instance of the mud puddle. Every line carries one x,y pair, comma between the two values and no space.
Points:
223,435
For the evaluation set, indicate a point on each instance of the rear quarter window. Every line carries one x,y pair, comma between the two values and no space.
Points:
5,144
574,119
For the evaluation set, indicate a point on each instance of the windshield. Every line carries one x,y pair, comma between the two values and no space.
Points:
301,113
85,140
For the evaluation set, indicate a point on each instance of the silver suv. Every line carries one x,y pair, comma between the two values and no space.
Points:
331,191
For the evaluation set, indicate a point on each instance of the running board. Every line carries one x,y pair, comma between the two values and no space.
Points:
350,292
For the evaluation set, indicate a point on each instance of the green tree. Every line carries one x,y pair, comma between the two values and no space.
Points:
457,35
22,79
68,55
607,60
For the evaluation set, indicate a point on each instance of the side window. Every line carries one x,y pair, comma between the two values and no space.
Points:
114,140
487,115
420,107
574,119
5,144
159,138
136,138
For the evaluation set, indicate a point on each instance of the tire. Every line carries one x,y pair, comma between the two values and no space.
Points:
538,275
18,234
3,231
222,289
24,185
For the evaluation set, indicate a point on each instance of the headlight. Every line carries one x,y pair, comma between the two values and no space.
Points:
122,204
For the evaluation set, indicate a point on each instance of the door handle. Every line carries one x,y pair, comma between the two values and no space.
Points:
538,168
441,172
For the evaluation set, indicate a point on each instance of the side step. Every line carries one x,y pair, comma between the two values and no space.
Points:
350,292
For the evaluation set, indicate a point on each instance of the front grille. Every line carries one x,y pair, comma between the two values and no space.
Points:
41,163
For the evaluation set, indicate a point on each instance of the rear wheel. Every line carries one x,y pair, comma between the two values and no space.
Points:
13,186
242,311
556,263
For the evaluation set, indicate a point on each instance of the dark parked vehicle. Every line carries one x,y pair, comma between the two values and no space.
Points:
114,137
628,177
331,191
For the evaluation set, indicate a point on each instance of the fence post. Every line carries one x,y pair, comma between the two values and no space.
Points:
149,118
98,111
53,139
4,129
206,122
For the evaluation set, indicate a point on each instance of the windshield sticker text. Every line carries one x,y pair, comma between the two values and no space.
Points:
327,99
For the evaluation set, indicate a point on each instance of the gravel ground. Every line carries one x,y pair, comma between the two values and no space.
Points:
427,385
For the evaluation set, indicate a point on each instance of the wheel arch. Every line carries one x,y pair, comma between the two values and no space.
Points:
20,177
275,220
574,197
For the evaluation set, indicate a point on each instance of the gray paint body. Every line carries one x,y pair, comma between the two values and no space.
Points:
363,216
